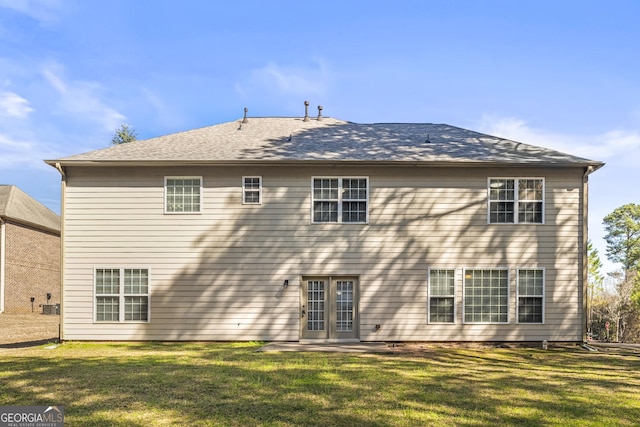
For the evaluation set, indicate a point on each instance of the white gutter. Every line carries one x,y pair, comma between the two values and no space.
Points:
585,240
318,162
62,246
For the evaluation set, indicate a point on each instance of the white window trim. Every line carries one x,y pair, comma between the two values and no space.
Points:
516,201
339,200
244,190
464,292
120,296
183,213
455,300
544,290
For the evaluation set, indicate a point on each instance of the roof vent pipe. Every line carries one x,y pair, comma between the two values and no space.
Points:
306,111
319,112
244,120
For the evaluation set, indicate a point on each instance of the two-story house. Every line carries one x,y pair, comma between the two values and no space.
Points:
322,229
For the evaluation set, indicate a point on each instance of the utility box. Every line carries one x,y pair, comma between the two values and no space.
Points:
50,308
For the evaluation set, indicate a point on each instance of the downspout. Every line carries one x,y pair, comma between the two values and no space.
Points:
585,239
62,246
3,244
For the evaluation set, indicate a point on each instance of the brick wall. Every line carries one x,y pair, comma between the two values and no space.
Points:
32,268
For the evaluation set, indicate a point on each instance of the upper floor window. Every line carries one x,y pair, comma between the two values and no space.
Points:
516,201
251,190
183,194
341,200
122,294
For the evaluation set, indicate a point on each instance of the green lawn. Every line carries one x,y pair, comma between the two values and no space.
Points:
230,384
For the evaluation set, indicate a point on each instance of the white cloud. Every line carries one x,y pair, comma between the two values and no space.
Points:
10,144
56,82
17,153
164,115
620,143
82,99
61,116
13,105
288,80
43,11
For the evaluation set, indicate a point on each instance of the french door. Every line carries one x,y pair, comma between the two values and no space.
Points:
329,308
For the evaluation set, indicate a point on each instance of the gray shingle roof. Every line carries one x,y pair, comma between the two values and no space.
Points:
292,139
18,206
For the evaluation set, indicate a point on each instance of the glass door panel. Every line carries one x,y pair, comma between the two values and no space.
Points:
344,305
315,304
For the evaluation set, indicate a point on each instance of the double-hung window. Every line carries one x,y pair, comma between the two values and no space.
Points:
251,190
486,296
183,194
531,296
516,200
341,200
441,296
122,294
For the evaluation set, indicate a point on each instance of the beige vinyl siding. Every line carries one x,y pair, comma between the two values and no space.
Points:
218,275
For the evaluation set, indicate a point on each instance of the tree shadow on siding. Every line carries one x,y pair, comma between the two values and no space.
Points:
234,289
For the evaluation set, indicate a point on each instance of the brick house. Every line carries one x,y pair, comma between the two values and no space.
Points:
29,253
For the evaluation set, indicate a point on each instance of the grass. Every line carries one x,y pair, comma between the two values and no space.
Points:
230,384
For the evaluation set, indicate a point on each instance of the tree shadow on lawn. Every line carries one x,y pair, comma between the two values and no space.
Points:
232,384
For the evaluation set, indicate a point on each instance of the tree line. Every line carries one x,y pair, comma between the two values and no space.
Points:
613,300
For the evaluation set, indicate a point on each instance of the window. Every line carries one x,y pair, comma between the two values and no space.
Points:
107,295
441,296
251,190
122,295
342,200
516,200
486,296
531,296
182,194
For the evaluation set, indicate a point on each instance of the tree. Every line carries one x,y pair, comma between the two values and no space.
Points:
623,237
123,134
623,247
619,307
594,282
636,291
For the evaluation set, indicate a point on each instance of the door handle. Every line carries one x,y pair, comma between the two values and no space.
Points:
303,311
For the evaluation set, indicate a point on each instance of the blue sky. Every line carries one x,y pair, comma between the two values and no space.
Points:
560,74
